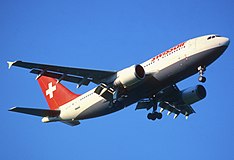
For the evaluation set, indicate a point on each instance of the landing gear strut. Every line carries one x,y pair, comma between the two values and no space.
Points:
154,115
201,70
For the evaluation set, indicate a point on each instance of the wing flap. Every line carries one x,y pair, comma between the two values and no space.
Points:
68,78
144,105
170,108
169,97
36,112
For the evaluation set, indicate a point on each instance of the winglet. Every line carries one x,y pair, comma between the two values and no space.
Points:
10,64
12,109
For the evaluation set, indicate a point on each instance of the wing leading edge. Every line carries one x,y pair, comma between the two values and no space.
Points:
36,112
76,75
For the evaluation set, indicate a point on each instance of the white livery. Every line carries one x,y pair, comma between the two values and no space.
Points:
151,84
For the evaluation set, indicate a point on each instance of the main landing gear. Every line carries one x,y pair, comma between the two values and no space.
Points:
154,115
201,70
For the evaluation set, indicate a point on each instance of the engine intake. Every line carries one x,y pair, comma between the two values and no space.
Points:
193,94
130,76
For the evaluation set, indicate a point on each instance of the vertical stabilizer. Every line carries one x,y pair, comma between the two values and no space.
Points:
55,93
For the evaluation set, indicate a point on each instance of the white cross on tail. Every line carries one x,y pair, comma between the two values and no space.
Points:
50,90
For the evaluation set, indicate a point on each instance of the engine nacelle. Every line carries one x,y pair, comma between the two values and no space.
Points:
193,94
130,76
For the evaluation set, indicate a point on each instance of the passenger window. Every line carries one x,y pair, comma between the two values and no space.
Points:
208,38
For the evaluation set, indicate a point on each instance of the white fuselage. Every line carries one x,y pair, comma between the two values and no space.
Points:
167,68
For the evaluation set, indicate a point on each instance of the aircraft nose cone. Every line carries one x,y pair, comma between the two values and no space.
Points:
225,41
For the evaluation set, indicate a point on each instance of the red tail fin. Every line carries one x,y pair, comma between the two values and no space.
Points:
55,93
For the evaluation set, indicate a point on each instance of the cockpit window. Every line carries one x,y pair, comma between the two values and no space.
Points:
211,37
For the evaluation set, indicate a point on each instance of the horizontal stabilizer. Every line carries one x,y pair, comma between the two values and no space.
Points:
36,112
72,123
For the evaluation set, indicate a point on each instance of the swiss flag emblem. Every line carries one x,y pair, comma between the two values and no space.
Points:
55,93
50,90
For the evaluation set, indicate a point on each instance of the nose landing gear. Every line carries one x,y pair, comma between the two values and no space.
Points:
201,70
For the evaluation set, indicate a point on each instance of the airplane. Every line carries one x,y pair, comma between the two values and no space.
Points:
151,84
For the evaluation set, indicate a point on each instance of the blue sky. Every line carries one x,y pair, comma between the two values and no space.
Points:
111,35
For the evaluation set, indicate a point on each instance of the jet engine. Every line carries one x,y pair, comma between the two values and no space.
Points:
130,76
193,94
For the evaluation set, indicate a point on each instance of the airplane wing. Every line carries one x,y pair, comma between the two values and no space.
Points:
169,99
75,75
36,112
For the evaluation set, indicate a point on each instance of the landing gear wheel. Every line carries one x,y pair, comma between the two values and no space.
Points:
154,116
159,115
201,70
151,116
202,79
